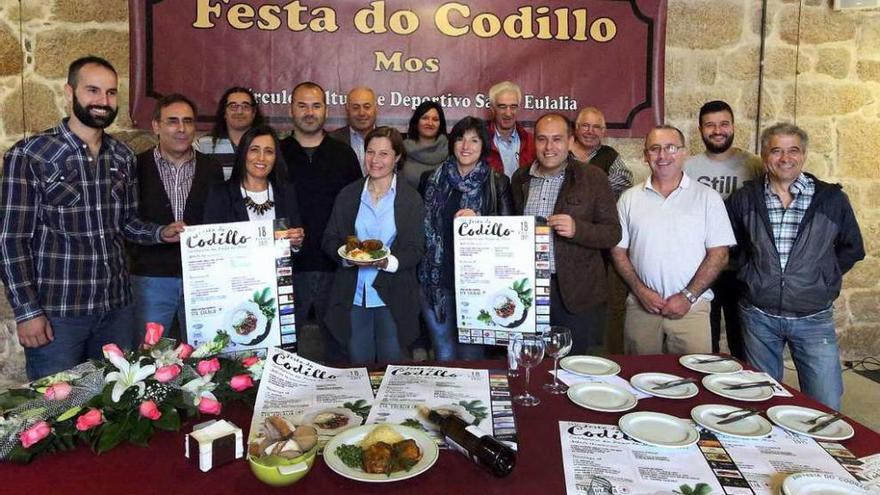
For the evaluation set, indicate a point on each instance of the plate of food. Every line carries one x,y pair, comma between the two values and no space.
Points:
246,323
505,308
381,453
331,420
360,252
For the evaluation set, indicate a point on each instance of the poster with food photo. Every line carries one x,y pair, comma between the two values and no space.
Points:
495,278
229,284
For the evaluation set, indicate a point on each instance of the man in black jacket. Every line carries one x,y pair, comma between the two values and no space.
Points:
319,167
173,182
797,236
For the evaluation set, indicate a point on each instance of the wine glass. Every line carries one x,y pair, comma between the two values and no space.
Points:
557,342
529,351
512,371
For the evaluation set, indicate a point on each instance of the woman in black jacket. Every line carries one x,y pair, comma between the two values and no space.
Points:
464,185
374,306
257,189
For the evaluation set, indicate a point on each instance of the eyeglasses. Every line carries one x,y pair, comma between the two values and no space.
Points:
591,127
178,122
239,107
670,149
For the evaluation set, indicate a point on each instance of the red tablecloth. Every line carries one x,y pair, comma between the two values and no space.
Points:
162,468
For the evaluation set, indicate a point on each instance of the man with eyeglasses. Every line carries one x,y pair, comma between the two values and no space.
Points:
173,183
237,111
361,110
589,130
725,168
797,236
511,145
68,201
675,240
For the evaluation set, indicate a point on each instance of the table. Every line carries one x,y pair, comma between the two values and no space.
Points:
162,468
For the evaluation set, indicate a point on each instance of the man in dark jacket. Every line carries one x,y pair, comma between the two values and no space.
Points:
578,204
173,183
797,237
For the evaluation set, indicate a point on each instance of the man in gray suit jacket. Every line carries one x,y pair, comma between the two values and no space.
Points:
361,109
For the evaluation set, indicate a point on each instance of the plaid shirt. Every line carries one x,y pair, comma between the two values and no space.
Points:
63,216
177,180
785,221
542,200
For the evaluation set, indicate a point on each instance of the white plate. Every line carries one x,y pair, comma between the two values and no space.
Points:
589,365
792,418
342,254
603,397
429,449
752,427
660,430
645,382
315,415
820,484
721,367
499,298
717,384
237,314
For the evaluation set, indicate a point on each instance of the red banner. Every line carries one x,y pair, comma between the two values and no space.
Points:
565,55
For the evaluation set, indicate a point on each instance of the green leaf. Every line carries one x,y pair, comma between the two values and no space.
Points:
73,411
141,432
265,294
111,436
170,420
702,489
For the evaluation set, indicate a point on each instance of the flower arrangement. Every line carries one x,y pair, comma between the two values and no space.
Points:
126,396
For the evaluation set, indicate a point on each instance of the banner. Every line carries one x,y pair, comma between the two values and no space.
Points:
564,54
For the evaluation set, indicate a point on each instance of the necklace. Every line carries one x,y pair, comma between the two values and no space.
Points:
259,208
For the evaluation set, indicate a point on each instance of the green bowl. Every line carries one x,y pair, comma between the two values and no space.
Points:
284,472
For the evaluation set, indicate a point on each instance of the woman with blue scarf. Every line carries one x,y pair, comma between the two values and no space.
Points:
464,185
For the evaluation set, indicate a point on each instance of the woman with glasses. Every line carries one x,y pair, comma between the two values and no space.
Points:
464,185
373,306
237,111
426,145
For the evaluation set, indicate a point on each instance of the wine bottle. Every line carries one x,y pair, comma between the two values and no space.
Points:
477,445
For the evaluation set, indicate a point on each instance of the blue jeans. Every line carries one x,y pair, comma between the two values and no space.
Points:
444,335
373,336
813,346
77,339
157,299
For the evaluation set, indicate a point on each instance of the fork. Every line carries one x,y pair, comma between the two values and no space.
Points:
713,360
728,413
818,418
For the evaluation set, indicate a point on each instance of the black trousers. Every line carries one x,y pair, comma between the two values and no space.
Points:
726,290
587,327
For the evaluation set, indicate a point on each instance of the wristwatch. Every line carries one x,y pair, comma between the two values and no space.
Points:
688,295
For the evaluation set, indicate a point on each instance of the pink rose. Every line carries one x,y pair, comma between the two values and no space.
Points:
34,434
112,351
58,391
241,382
209,406
89,420
206,366
183,350
250,361
154,333
167,373
149,410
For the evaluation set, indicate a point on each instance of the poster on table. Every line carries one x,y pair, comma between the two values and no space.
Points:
304,392
480,397
502,278
230,284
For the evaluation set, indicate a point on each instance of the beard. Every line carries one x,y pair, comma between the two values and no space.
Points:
718,148
84,115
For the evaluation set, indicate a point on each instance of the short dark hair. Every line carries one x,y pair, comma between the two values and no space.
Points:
76,65
278,175
470,123
309,85
712,107
169,100
412,131
392,135
783,129
569,125
220,129
667,127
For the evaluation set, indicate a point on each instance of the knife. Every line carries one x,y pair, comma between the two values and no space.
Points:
837,416
713,360
737,418
673,383
749,385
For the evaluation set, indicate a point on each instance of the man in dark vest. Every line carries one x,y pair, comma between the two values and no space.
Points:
173,181
588,148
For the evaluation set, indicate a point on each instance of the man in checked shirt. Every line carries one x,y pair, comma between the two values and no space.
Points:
68,200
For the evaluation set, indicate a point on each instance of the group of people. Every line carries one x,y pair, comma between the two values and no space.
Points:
725,233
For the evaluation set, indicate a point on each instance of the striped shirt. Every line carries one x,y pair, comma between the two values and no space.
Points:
177,180
620,177
63,217
543,192
785,221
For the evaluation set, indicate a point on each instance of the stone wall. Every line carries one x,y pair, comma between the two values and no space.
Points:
712,52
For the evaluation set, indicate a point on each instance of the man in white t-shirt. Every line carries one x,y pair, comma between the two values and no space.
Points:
675,240
725,168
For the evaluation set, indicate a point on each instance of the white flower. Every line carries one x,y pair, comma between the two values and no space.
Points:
221,340
200,387
165,357
129,375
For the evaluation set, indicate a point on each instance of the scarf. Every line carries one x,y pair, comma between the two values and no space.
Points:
440,186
